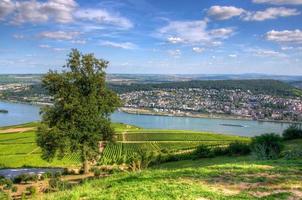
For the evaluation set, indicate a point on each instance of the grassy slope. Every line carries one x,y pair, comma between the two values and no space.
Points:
19,149
215,178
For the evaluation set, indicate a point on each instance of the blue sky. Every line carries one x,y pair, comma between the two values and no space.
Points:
154,36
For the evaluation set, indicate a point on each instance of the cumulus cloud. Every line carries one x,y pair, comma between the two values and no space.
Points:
279,2
270,13
233,56
224,12
59,35
61,11
37,12
174,40
6,7
287,36
175,53
198,49
122,45
104,17
192,32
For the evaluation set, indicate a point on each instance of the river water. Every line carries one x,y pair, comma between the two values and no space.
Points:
21,113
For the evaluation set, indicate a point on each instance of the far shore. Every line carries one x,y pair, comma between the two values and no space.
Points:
141,111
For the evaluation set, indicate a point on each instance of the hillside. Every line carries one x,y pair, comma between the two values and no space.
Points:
18,146
215,178
271,87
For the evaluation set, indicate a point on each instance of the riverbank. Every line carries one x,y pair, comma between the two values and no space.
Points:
141,111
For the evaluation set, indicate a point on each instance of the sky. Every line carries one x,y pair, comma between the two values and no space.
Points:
154,36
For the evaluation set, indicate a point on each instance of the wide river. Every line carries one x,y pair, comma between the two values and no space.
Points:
22,113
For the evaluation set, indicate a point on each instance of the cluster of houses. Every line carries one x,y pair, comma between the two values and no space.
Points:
231,102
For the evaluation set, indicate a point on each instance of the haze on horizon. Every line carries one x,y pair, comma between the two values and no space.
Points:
153,36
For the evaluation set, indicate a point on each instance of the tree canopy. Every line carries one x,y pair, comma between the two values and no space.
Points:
80,116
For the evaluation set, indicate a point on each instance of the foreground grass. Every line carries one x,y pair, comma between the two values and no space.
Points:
216,178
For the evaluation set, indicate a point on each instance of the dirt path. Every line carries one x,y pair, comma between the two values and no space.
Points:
14,130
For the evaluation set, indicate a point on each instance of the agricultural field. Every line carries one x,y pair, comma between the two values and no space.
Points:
18,147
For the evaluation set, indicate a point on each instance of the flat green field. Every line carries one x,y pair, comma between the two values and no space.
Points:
18,147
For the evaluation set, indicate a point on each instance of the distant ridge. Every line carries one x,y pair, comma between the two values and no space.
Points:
264,86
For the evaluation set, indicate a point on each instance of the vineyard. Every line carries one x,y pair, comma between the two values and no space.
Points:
131,140
19,148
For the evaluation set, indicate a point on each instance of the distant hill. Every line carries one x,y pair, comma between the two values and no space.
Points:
297,84
272,87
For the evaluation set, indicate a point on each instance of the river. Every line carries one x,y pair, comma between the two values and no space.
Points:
22,113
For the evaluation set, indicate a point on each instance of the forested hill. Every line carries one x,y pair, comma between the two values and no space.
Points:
272,87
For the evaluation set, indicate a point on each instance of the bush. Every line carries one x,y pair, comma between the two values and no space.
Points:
141,160
294,131
293,154
97,172
7,184
203,151
31,190
25,178
57,184
14,189
238,149
267,146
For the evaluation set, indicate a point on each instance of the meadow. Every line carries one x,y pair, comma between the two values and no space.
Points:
210,178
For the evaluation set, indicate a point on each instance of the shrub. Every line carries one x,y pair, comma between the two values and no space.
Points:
14,189
57,174
294,131
57,184
203,151
238,149
7,184
141,160
97,172
293,154
267,146
25,178
31,190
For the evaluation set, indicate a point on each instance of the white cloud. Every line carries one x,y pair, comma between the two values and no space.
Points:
175,53
103,17
36,12
287,36
122,45
59,35
18,36
279,2
61,11
6,7
78,41
44,46
266,53
270,13
192,32
198,49
174,40
233,56
224,12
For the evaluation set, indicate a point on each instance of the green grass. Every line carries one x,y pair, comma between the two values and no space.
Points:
215,178
20,149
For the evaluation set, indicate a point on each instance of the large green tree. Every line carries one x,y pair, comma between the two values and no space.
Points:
80,115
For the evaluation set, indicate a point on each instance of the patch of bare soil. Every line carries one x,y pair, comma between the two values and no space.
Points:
16,130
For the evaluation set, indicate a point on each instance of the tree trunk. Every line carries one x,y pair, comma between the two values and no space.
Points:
86,166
